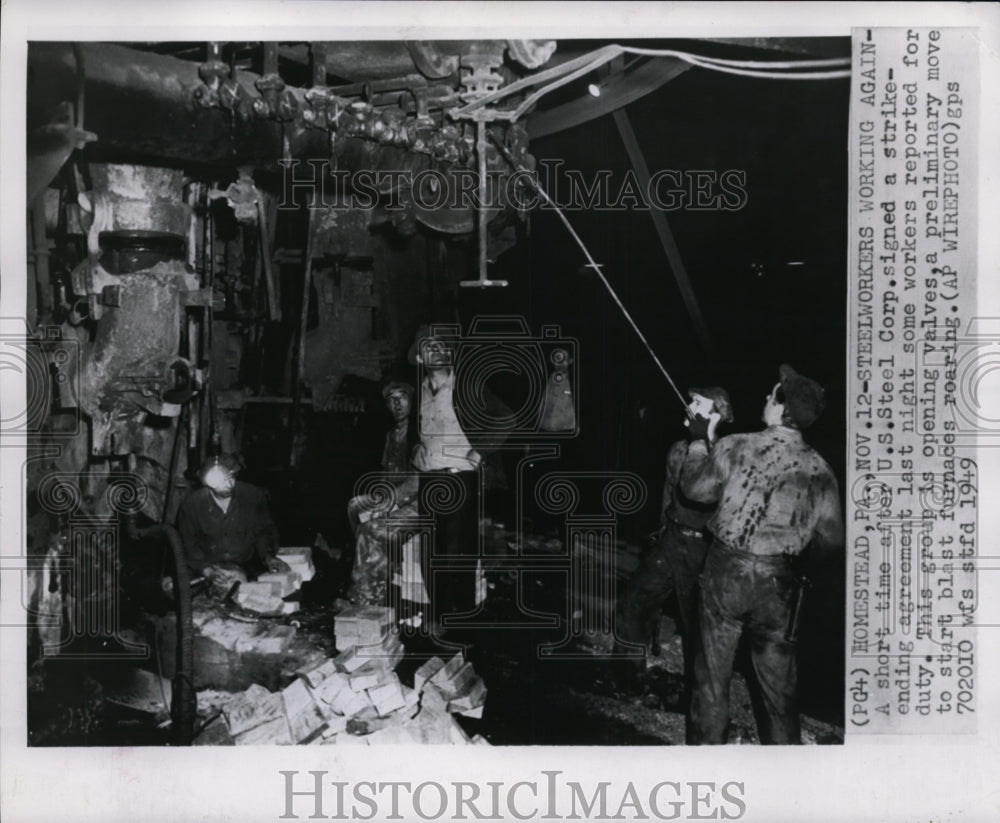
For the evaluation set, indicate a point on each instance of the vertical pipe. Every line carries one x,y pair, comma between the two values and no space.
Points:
184,703
213,54
300,364
270,57
208,315
274,310
172,468
204,238
481,152
318,51
41,252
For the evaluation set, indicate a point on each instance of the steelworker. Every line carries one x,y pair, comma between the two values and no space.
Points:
461,427
775,496
678,557
376,519
226,526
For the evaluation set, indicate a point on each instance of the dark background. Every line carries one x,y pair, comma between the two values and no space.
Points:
790,138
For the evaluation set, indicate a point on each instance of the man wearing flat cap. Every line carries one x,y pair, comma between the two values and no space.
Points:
676,560
375,519
775,496
454,451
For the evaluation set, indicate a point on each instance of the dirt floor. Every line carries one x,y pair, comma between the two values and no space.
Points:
575,697
535,700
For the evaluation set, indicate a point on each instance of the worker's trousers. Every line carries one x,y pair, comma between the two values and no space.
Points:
673,564
448,565
745,592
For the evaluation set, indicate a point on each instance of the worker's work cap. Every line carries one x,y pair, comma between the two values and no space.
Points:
396,386
804,398
424,333
720,399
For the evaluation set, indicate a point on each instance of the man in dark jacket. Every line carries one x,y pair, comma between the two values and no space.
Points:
674,563
226,525
451,457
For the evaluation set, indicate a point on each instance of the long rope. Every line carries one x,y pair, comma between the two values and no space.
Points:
593,265
831,69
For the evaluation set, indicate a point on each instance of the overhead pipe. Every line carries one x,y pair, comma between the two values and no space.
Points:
161,121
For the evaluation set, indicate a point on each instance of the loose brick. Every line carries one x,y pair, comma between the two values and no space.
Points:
426,672
282,583
473,697
367,677
449,670
349,703
387,696
252,708
458,682
273,733
304,717
317,675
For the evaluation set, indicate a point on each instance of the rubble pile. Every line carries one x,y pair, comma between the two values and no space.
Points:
266,596
299,560
241,638
357,697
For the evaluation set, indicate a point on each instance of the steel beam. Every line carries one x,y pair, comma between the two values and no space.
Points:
616,91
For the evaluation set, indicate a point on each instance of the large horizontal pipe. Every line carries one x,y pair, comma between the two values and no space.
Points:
140,104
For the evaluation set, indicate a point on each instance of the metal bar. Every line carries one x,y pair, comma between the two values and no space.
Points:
318,56
174,456
300,365
663,231
273,307
481,213
481,157
270,57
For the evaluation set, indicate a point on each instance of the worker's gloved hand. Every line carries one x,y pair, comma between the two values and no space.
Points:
224,577
276,565
698,427
703,428
208,572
